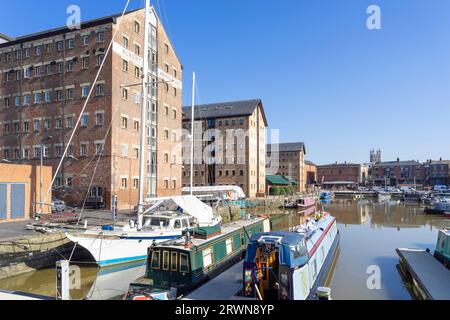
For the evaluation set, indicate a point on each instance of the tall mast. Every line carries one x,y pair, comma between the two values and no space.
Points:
192,132
143,117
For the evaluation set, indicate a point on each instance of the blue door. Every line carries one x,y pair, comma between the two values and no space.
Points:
3,206
17,201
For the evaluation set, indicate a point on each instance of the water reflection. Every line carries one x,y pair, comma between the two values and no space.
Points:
370,233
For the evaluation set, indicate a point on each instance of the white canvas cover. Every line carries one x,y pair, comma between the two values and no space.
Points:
232,192
190,205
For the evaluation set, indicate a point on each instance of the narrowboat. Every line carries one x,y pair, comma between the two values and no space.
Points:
291,265
175,268
302,203
442,252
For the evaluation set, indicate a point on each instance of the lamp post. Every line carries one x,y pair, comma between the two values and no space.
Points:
40,171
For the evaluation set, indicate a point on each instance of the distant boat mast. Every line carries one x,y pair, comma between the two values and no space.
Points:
192,133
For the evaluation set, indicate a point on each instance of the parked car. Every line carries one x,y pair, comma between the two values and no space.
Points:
441,188
362,189
58,205
391,189
408,190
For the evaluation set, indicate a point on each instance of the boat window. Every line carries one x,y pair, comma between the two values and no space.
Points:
184,263
185,223
207,258
156,260
156,222
165,265
174,261
177,224
229,245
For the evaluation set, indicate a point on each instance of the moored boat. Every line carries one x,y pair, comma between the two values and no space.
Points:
291,265
175,268
327,195
302,203
439,206
442,252
383,196
166,219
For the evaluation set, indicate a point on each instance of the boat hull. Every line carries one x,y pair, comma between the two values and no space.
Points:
109,250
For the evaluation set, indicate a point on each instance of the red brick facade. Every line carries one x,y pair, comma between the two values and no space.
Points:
50,74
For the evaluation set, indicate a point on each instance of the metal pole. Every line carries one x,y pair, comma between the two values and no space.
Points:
143,117
192,132
40,177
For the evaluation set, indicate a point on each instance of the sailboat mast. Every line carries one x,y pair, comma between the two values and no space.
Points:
143,117
192,132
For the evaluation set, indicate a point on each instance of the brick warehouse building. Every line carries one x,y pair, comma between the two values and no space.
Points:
44,80
342,174
234,137
291,162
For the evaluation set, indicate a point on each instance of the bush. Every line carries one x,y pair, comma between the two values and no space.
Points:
283,190
289,190
275,191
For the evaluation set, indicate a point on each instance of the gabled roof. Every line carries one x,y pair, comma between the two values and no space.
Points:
289,147
309,163
224,110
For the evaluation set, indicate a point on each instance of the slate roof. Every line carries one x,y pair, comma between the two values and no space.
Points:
224,110
62,30
397,163
289,147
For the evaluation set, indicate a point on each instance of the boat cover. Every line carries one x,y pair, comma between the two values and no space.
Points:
190,205
292,248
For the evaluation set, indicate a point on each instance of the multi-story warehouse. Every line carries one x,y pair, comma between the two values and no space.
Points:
45,79
229,145
291,160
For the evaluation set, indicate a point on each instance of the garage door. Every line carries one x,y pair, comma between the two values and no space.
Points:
3,194
17,201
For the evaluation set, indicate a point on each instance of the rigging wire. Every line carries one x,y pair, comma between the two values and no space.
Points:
85,103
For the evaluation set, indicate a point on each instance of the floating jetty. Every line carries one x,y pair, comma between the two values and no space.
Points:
430,279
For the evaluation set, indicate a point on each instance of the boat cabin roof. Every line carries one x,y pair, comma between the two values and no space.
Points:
166,215
227,228
283,237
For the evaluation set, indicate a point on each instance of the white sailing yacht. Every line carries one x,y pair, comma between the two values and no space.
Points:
165,219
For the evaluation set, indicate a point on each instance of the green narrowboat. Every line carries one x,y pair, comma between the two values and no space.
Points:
177,267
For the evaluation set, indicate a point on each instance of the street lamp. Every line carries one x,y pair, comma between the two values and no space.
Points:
40,171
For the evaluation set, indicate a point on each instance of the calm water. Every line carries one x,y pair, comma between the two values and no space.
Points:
370,233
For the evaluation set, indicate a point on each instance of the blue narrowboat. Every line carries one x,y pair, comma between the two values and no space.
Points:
291,265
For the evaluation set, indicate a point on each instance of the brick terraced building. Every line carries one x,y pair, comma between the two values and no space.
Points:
44,81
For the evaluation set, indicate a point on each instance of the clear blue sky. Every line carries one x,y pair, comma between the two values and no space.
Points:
324,78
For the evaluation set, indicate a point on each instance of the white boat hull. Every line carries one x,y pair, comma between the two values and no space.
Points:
112,249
